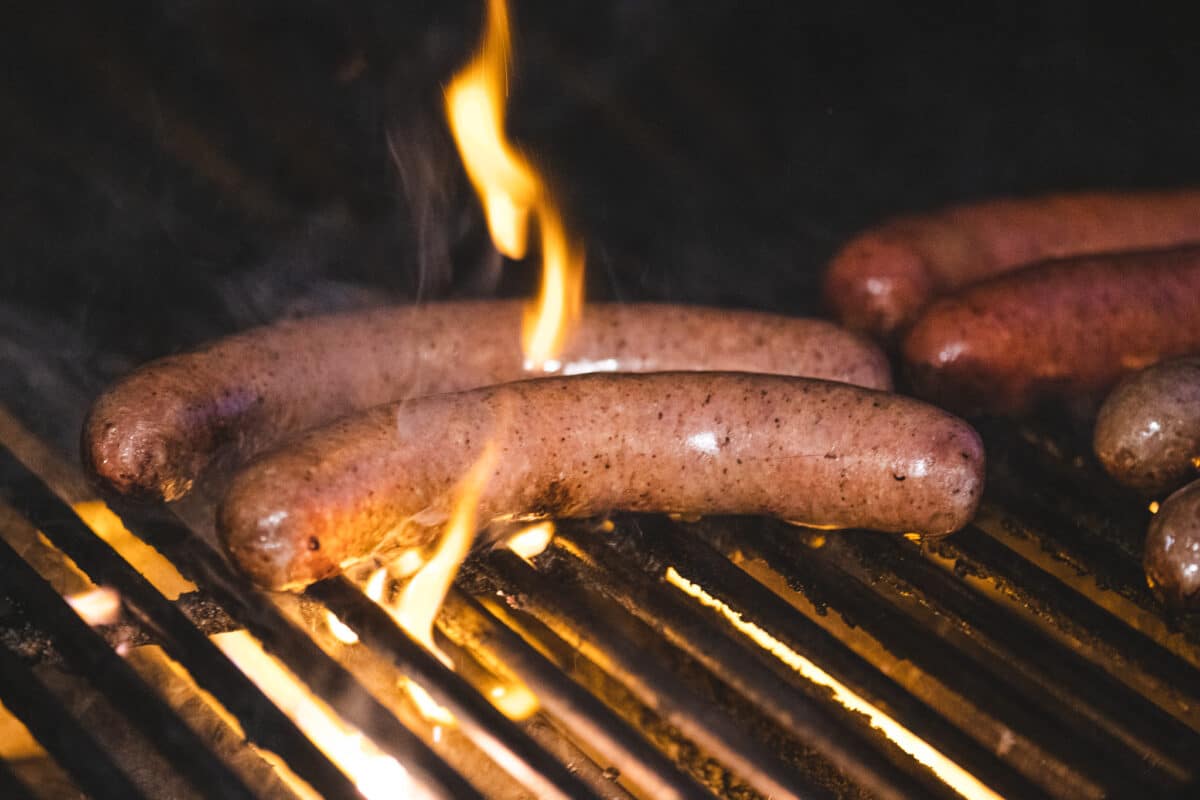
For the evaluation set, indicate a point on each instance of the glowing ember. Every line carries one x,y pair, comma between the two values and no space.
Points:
512,191
1153,506
99,606
949,772
530,542
148,561
340,630
375,774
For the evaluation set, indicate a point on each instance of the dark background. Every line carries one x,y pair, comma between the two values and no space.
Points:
176,170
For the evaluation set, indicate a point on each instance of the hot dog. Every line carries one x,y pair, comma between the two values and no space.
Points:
156,431
1172,554
1148,431
1065,330
714,443
880,281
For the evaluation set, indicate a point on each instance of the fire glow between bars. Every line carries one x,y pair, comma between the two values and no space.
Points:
374,773
950,773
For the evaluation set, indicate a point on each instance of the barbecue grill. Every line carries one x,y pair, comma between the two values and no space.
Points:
1023,657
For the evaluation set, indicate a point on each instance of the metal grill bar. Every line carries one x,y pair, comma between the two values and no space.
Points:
263,723
1099,701
587,718
72,746
494,732
759,604
777,694
11,786
986,681
1120,641
600,629
324,676
91,656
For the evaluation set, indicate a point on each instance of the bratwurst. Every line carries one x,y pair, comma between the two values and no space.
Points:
156,431
880,281
1064,331
805,450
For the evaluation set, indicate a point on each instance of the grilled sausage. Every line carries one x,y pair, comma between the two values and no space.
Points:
1066,330
156,431
880,281
1172,554
714,443
1148,431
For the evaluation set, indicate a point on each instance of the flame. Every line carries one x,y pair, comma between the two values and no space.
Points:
512,191
949,772
375,774
531,541
99,606
340,630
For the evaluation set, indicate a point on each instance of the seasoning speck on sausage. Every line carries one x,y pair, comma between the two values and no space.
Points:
713,443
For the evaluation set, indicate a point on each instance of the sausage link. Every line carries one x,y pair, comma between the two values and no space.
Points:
1172,551
1066,330
1148,432
881,279
156,431
716,443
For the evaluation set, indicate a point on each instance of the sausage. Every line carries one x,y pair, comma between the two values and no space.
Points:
879,281
154,433
713,443
1066,330
1172,553
1148,432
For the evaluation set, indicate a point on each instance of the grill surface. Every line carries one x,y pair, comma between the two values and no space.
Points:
179,170
1026,649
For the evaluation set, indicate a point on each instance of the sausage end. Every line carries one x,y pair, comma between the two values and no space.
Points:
877,285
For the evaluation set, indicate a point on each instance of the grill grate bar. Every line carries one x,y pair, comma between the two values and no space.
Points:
483,723
1084,690
262,721
640,669
1120,641
570,704
90,655
776,694
71,745
11,786
324,676
759,604
987,682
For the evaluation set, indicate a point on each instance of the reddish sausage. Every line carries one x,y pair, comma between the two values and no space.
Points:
1148,431
715,443
154,433
881,280
1066,330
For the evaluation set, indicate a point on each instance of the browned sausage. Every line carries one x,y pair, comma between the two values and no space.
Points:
880,280
1172,554
1148,431
713,443
154,433
1066,330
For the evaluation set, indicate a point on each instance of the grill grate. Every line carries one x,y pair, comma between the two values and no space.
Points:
1002,648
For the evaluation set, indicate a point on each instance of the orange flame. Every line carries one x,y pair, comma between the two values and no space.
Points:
512,191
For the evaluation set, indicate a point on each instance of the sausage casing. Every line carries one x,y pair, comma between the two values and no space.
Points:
1172,551
1066,330
1148,431
716,443
157,430
880,280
